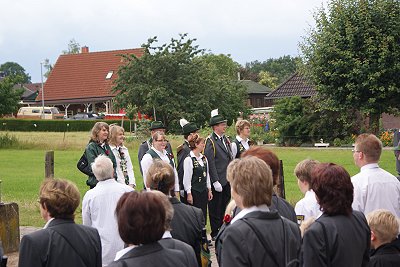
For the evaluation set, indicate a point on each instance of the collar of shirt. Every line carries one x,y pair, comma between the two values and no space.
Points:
117,147
167,234
193,155
240,139
106,182
219,137
47,224
122,252
369,166
245,211
161,154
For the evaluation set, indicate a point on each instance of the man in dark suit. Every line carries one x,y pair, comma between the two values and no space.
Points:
186,224
183,151
61,242
218,153
145,145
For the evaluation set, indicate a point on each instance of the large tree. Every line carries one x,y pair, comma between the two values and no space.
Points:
15,71
9,97
353,56
73,47
178,80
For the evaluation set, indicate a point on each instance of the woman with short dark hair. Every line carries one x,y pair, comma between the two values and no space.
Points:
141,221
340,236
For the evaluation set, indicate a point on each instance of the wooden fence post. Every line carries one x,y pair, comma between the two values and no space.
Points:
281,183
49,165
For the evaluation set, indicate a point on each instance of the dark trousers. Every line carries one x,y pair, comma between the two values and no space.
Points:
200,200
217,207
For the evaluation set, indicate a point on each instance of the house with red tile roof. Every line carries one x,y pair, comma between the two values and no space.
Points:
83,82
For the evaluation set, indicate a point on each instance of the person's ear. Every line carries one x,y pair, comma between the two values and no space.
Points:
373,237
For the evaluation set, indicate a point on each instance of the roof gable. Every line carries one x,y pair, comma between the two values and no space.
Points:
254,87
77,76
296,85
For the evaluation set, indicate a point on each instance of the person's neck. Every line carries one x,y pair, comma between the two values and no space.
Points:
220,134
243,137
196,152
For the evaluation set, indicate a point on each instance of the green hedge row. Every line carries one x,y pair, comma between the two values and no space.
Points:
26,125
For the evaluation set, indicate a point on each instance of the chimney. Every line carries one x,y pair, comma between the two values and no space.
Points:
84,49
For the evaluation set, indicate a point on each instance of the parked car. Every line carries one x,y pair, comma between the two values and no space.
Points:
47,113
85,116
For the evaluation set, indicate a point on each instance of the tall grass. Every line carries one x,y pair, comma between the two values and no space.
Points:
22,167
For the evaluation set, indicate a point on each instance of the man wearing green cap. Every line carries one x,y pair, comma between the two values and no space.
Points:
146,145
218,153
183,151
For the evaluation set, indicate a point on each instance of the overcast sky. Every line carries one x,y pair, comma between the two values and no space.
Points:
248,30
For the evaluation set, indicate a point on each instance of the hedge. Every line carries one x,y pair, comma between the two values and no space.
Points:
27,125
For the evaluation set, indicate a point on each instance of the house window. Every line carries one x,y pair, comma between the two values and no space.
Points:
109,75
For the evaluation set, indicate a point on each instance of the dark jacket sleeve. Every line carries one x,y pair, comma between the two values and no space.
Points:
233,250
30,252
314,252
142,150
210,155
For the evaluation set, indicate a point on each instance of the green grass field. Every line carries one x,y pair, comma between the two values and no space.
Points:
22,170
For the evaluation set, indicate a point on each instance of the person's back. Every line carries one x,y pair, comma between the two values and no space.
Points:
347,238
187,224
283,207
187,250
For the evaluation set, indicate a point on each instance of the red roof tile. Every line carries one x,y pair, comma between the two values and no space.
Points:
77,76
296,85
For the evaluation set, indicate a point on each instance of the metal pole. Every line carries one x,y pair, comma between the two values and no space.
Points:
41,76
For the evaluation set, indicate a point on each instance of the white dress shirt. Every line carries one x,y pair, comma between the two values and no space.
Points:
308,206
244,142
188,171
98,211
375,188
245,211
129,167
147,160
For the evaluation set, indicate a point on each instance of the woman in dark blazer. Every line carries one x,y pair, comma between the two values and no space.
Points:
256,236
340,236
62,242
141,219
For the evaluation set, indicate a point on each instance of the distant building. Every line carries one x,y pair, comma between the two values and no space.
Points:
256,93
84,81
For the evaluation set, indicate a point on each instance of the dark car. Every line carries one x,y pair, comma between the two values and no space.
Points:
85,116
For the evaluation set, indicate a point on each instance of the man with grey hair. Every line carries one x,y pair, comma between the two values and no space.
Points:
98,207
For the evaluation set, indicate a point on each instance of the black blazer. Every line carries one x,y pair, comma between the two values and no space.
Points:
239,245
152,255
181,246
182,153
283,207
186,225
348,238
218,157
387,255
46,247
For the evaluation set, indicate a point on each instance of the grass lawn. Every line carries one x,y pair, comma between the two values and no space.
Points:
22,170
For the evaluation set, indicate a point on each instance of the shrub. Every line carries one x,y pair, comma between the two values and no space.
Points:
7,141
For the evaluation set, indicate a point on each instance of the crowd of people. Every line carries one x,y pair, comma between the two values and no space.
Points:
341,221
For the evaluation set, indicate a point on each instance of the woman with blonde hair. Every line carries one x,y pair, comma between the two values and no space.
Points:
124,168
98,145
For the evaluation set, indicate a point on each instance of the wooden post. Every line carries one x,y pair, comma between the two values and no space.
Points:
281,183
9,226
49,165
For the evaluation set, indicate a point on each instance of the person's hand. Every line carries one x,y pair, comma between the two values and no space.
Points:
217,186
189,198
210,195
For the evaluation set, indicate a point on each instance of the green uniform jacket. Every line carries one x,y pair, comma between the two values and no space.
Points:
92,151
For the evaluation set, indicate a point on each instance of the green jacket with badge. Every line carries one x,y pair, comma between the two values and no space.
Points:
92,151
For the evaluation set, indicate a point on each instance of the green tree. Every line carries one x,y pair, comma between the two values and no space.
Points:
73,47
280,68
48,67
268,79
16,72
178,80
353,56
9,97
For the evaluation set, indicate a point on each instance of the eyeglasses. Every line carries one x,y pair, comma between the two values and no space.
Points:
163,140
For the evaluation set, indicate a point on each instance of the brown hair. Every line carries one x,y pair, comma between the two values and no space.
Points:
60,197
160,176
384,224
96,129
114,131
304,168
268,157
251,178
332,185
239,126
194,140
370,146
140,217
